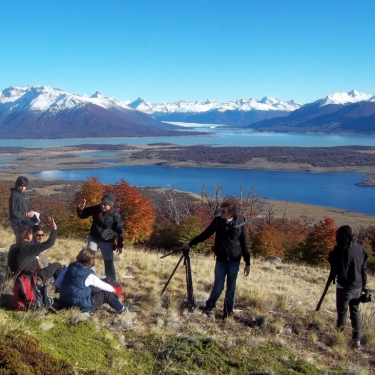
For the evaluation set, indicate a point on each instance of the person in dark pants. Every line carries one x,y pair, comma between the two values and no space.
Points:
19,206
230,245
82,288
106,222
348,262
22,256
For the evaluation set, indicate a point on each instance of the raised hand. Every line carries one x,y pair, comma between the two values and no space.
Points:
51,223
82,204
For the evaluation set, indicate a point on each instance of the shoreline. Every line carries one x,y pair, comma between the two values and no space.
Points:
30,160
65,158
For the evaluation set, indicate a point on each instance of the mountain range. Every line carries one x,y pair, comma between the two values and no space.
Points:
45,112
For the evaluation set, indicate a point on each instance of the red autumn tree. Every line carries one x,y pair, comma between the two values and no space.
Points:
267,241
136,211
319,242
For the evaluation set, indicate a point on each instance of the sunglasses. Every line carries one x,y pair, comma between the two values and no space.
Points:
39,234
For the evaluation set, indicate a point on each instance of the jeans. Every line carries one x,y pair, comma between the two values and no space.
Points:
107,253
99,297
222,271
344,299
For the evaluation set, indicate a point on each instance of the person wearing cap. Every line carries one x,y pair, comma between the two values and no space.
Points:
19,205
106,225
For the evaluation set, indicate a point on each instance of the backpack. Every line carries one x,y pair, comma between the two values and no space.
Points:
28,294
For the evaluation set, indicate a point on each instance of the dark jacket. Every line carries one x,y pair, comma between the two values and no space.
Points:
104,224
230,242
19,205
22,257
349,266
73,291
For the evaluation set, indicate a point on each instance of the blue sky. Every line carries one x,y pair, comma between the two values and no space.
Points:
171,50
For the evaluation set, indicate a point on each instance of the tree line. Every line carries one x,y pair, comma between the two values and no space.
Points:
340,156
171,220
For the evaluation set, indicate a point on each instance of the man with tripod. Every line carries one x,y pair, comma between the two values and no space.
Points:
230,244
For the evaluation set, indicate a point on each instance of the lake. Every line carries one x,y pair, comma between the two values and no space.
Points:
220,137
326,189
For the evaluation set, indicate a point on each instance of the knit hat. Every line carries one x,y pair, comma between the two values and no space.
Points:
109,198
22,181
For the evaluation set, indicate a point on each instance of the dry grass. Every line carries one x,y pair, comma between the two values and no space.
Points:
276,303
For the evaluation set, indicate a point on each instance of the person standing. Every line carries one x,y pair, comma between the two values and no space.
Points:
19,205
106,223
22,256
231,243
348,262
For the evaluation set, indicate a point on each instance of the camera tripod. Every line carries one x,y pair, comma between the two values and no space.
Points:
189,280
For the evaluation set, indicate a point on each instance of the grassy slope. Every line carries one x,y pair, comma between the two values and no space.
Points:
275,329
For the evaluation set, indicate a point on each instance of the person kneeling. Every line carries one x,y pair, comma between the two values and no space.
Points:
82,288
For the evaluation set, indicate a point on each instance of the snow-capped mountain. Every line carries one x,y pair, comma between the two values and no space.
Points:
45,98
42,111
265,104
240,112
349,112
353,96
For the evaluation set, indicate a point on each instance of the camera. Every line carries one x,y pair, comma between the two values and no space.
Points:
366,296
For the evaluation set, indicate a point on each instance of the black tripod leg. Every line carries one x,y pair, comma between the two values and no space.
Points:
189,284
170,277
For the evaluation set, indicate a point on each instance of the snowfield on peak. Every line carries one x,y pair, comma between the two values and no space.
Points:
45,98
266,104
353,96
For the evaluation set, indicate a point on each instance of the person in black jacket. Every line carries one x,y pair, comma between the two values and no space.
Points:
230,245
22,255
19,205
348,262
105,224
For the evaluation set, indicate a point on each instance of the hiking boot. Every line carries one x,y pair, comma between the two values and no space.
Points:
124,310
356,344
205,310
227,314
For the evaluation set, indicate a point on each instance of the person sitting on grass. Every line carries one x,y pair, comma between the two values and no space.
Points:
82,288
22,256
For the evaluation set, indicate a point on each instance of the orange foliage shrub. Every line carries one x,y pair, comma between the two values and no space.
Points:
136,211
319,242
267,241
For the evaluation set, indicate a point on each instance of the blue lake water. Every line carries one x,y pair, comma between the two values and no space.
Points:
220,137
326,189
